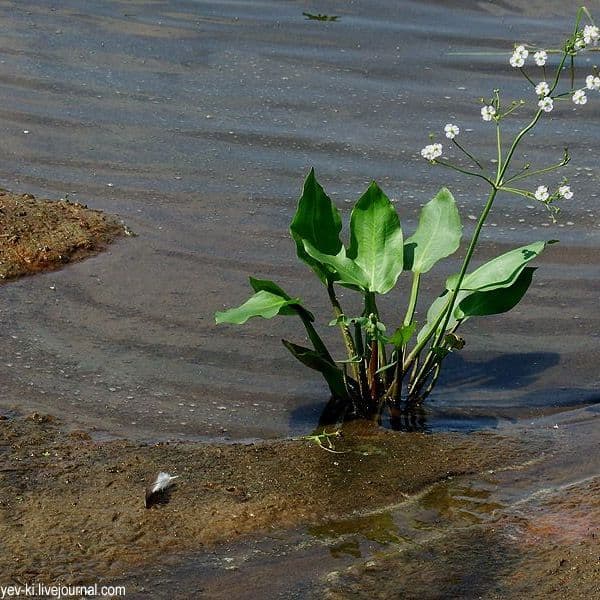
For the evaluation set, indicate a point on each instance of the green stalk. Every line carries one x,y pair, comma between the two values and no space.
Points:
314,337
346,335
412,303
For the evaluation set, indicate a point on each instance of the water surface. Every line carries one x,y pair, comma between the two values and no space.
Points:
196,122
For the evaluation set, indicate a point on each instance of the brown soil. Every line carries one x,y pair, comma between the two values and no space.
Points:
72,509
40,235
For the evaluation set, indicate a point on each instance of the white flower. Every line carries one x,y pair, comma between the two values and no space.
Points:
546,104
592,82
451,131
542,89
579,97
432,151
541,193
516,61
591,34
521,51
540,58
579,44
565,192
487,112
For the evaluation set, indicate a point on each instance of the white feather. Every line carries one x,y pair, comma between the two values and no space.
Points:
162,482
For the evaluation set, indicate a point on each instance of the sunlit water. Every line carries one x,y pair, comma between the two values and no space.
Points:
196,122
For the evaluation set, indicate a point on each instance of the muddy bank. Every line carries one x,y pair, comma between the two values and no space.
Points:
72,510
550,550
42,235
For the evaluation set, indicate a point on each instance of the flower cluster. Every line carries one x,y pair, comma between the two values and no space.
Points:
451,131
488,112
432,151
592,82
540,58
543,195
579,97
591,34
517,60
547,199
547,95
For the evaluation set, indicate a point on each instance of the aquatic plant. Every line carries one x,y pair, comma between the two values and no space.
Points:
400,367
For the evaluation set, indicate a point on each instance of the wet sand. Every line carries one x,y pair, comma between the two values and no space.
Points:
72,510
44,235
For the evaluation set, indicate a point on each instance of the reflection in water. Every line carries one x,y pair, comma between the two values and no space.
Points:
453,407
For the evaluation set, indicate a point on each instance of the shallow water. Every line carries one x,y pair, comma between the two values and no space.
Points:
196,122
495,534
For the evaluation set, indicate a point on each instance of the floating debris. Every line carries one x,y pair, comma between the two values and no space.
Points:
320,17
155,492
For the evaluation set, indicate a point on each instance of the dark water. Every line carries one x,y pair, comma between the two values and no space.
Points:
196,122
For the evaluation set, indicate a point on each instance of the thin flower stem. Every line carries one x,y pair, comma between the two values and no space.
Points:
467,260
558,73
512,108
498,149
413,356
526,76
514,145
554,167
572,70
460,147
517,191
463,171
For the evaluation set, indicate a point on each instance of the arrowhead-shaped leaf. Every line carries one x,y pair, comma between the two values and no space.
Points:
495,301
318,221
437,236
263,304
346,270
499,272
269,286
478,303
376,243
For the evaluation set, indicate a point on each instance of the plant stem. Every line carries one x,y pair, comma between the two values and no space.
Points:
412,303
346,335
314,337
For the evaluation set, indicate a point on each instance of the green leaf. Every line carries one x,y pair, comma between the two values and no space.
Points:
376,242
345,269
263,304
499,272
332,374
402,335
318,221
437,236
495,301
266,285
